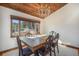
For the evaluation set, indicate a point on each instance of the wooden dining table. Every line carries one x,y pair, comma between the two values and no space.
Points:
35,42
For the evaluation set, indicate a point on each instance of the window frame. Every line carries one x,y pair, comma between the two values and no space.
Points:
20,19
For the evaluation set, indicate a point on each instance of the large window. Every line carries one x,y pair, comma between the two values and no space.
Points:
20,25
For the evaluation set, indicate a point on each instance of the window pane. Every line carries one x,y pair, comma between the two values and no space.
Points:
37,28
15,27
23,27
29,25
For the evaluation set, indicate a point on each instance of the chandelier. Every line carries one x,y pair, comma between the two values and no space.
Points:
44,10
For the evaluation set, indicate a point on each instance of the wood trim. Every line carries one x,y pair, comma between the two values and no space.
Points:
1,53
71,46
11,27
8,50
24,19
78,52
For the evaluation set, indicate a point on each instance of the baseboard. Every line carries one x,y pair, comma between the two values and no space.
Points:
71,46
0,53
8,50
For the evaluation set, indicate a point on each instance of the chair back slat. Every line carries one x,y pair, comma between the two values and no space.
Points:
56,38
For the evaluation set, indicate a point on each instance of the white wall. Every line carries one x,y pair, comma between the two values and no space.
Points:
6,41
66,22
0,30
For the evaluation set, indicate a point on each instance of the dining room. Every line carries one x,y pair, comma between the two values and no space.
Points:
39,29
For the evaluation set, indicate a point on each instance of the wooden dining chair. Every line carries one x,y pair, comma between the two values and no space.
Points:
23,51
55,43
52,43
47,48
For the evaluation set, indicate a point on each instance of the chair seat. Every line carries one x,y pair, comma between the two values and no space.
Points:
27,51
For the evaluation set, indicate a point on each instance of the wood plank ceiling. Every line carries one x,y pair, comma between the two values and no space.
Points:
31,8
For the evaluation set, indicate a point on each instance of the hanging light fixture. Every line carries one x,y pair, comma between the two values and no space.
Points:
44,10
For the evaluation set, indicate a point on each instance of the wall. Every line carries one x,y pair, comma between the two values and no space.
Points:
66,22
6,41
0,30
